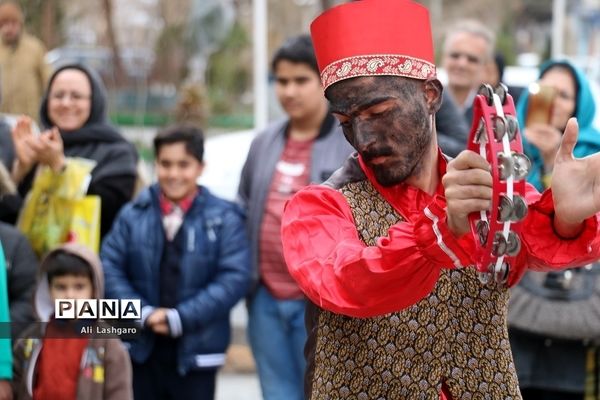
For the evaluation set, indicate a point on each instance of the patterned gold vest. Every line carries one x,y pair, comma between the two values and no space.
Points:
456,335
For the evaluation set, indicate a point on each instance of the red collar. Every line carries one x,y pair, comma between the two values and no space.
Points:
406,199
166,205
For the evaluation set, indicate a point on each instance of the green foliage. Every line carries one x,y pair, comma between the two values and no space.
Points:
228,74
145,152
147,119
33,15
33,10
228,121
169,36
505,41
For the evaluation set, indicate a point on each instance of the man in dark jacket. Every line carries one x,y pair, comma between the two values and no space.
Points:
452,127
183,252
21,271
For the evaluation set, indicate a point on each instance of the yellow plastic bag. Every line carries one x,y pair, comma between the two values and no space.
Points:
57,209
85,222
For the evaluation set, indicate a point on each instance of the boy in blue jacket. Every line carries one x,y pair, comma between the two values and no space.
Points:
184,253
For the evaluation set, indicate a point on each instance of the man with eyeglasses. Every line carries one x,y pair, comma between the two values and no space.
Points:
468,47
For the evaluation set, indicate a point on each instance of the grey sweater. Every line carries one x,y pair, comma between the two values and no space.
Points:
329,152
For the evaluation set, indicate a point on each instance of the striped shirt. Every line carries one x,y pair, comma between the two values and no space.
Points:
291,174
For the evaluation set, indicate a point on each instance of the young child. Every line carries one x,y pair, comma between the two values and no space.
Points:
63,365
184,253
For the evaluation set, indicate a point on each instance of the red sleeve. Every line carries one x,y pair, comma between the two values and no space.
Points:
544,249
338,272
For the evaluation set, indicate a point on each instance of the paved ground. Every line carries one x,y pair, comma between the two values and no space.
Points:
237,386
238,379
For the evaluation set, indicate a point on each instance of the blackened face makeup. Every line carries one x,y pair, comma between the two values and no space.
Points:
387,119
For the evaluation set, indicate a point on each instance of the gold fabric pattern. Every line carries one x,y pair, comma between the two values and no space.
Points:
457,334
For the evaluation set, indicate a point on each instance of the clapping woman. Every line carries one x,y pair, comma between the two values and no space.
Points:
73,114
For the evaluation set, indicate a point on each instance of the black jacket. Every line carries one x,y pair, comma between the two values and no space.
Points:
10,200
452,127
21,272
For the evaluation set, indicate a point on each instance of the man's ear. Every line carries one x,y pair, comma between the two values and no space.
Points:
432,88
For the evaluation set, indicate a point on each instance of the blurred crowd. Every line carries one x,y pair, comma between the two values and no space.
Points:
78,222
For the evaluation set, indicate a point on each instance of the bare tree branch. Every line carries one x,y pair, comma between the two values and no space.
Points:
107,5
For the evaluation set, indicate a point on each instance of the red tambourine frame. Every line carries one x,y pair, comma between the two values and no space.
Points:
495,136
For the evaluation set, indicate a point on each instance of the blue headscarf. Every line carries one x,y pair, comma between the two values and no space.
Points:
588,141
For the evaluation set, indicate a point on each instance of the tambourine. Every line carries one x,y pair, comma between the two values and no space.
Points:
495,136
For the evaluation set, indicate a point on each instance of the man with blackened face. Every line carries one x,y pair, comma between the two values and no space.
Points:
388,120
383,249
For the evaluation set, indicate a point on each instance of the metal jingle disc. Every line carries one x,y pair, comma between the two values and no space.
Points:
500,245
514,244
512,126
487,91
519,208
502,91
501,276
483,230
480,134
522,166
505,209
506,166
500,127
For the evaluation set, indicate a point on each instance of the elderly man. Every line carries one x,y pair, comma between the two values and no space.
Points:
382,249
468,49
23,69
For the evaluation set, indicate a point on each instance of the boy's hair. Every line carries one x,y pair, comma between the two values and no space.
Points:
61,263
298,49
190,135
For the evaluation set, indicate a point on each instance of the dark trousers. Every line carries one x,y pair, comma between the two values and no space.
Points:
158,379
536,394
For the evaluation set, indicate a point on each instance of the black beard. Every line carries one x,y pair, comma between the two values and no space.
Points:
388,176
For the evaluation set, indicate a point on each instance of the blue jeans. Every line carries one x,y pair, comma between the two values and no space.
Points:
277,336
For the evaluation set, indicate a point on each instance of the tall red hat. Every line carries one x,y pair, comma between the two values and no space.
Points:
373,37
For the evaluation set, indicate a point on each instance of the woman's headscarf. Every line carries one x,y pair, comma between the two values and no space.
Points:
588,141
87,141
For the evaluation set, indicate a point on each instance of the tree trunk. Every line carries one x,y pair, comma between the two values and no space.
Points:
48,24
107,5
